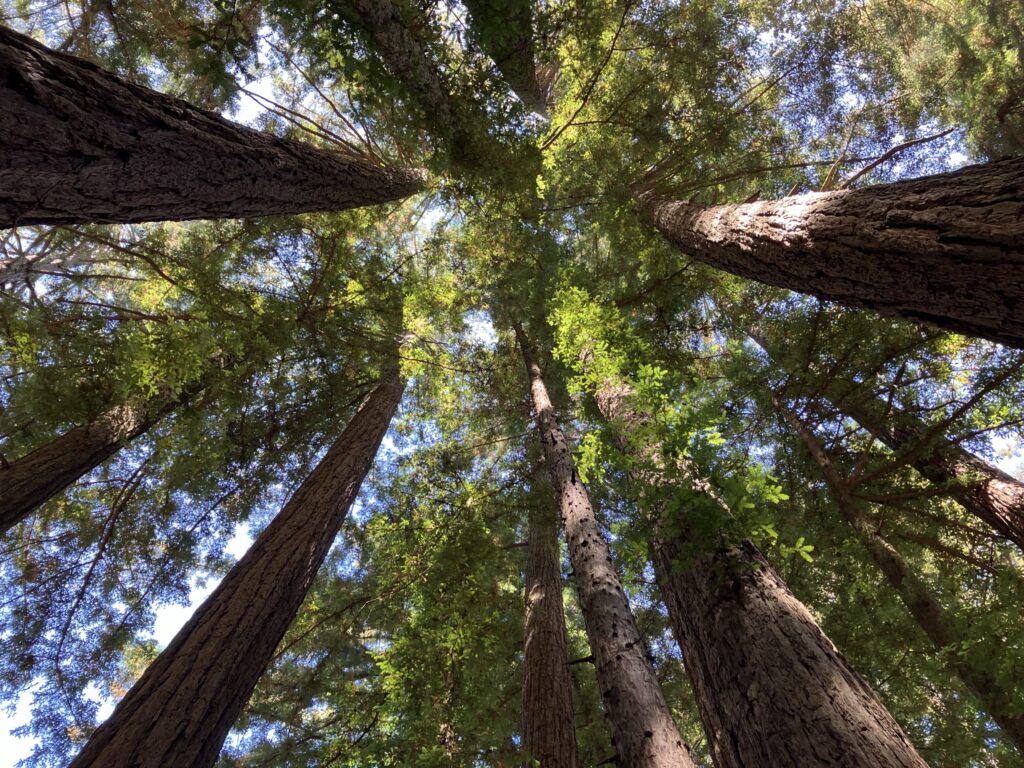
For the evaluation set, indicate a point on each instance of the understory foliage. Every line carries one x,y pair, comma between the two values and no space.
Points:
408,649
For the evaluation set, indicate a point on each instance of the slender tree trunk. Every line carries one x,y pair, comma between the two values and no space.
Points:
940,629
80,145
32,480
642,727
771,688
505,31
549,727
985,491
945,249
181,709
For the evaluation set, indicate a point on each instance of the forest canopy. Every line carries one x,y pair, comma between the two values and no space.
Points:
588,383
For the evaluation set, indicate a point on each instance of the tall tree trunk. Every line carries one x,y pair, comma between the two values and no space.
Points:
642,727
29,482
549,727
181,709
940,629
771,687
80,145
945,249
505,31
985,491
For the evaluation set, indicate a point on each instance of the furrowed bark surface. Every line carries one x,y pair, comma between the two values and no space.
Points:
27,483
771,687
181,709
642,728
549,727
80,145
505,32
945,249
915,594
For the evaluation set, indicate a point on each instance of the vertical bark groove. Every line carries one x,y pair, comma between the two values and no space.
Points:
643,730
945,249
80,145
181,709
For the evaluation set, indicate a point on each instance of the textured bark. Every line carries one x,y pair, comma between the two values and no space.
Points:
549,728
80,145
945,249
771,688
985,491
940,629
641,724
181,709
505,31
28,482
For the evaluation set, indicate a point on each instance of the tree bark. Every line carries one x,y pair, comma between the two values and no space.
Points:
181,709
643,730
80,145
29,482
549,727
940,629
945,249
505,32
771,687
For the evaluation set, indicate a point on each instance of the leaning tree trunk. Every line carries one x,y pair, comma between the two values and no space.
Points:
642,728
549,728
984,491
181,709
771,687
505,32
945,249
80,145
27,483
940,629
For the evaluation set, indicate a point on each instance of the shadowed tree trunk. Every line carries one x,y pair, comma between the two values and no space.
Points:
985,491
771,688
549,728
945,249
642,727
80,145
940,629
181,709
29,482
505,32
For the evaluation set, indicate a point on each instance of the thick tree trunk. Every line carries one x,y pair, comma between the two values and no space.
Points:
549,727
28,482
505,31
642,727
985,491
771,688
81,145
945,249
181,709
940,629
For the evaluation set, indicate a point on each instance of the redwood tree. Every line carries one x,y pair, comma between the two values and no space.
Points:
81,145
181,709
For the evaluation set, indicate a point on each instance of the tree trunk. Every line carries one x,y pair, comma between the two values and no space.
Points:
915,594
771,687
505,32
80,145
642,727
945,249
549,728
181,709
29,482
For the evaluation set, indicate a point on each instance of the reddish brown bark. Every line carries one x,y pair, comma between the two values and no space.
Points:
549,728
505,31
80,145
771,687
181,709
643,730
945,249
940,629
